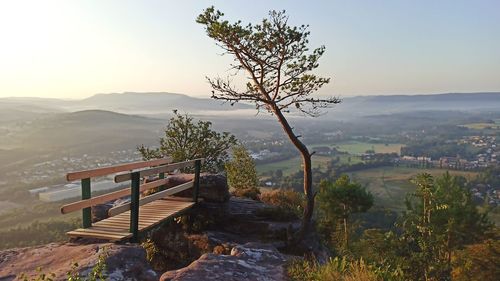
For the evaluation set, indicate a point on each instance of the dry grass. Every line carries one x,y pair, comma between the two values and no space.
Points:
334,269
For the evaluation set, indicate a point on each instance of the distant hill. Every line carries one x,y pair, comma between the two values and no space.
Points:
128,102
150,103
163,103
83,131
372,105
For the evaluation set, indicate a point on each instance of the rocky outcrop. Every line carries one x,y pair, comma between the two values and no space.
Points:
251,261
214,228
123,262
220,238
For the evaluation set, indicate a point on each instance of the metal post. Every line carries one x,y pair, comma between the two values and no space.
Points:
161,176
197,168
86,212
134,206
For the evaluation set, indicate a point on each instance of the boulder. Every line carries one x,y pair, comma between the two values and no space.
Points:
213,187
251,261
123,262
100,212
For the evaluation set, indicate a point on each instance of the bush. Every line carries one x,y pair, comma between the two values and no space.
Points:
287,202
252,193
241,172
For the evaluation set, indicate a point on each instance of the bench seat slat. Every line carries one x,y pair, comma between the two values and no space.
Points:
109,229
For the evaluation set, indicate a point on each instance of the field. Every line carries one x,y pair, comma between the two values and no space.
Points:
354,148
295,164
362,147
389,185
357,147
482,126
291,165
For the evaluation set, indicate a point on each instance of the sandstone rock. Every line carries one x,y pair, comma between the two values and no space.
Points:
252,261
100,212
123,262
173,247
213,188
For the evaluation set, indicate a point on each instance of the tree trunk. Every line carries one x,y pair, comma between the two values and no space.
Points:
307,167
346,240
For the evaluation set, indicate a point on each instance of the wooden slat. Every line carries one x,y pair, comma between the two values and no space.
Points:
116,228
157,170
106,236
75,206
125,207
110,229
112,224
116,169
94,230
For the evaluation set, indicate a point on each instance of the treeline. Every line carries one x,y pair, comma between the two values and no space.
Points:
439,148
37,233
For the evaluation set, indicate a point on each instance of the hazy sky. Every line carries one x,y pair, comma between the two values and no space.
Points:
74,49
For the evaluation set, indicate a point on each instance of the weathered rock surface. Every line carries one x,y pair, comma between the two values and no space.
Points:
123,262
251,261
213,188
214,228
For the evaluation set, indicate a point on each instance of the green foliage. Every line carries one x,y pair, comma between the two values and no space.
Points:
40,277
279,66
97,272
276,58
186,140
241,173
288,204
340,269
379,247
439,220
337,202
151,249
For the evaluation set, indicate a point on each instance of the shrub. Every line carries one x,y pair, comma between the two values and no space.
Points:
252,193
289,204
241,172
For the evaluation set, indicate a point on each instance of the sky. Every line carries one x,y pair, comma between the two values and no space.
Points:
75,49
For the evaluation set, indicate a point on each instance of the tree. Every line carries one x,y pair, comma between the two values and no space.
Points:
278,64
241,172
440,221
339,200
186,140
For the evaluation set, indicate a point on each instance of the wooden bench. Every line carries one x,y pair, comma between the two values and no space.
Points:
126,221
